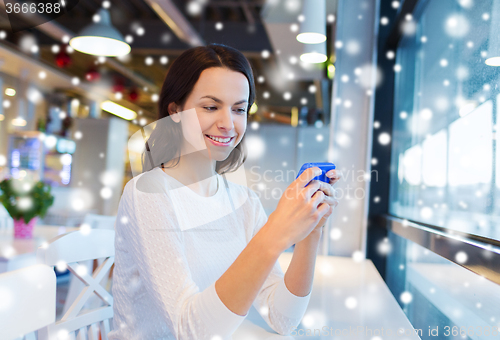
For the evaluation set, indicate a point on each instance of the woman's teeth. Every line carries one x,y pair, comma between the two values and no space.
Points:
220,140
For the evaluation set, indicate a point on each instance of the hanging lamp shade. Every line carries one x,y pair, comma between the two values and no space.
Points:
493,56
313,27
101,38
314,53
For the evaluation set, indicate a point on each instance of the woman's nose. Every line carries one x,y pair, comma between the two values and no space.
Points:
226,119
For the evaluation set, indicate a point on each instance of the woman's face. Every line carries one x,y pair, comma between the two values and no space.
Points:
220,99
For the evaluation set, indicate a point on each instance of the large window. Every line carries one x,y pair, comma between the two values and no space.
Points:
445,158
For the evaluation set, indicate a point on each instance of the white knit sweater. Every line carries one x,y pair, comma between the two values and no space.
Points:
172,245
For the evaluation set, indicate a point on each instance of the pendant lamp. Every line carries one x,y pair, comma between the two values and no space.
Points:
314,53
493,56
313,27
101,38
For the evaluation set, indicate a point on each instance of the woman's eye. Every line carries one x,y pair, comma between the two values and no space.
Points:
242,110
210,107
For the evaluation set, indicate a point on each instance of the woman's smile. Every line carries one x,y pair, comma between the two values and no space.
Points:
220,141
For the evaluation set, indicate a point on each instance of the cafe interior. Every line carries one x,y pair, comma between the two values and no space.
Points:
400,95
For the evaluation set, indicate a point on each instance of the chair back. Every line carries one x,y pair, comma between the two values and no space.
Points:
6,222
27,301
68,250
93,221
100,221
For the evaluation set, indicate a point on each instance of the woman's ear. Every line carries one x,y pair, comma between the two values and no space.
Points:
172,111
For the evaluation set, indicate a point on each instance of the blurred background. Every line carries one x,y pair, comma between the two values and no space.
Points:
401,95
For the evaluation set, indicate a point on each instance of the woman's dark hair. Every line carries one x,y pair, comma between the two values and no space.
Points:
177,86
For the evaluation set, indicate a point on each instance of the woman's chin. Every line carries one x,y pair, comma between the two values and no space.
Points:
217,154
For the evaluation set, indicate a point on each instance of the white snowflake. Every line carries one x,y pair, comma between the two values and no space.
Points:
351,302
406,297
194,8
426,213
106,192
353,47
457,25
358,256
384,138
426,114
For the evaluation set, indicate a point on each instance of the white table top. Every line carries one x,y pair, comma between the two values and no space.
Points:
17,253
347,297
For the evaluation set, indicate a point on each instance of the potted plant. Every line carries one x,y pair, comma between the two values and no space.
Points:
25,201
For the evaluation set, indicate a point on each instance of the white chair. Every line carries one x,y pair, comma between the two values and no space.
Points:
27,301
70,249
94,221
100,221
6,222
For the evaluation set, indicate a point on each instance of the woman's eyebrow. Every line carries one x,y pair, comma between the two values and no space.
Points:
220,101
213,98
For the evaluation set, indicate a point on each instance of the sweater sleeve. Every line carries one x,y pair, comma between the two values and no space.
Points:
281,309
155,241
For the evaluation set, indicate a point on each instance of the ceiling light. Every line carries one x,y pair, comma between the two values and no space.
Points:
118,110
19,121
314,53
10,92
101,38
253,108
493,54
313,27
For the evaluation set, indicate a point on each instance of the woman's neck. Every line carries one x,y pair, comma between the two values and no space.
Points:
196,171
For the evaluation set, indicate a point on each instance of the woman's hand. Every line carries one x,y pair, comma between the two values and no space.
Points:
299,210
330,200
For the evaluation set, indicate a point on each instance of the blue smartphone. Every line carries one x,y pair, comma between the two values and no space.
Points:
324,166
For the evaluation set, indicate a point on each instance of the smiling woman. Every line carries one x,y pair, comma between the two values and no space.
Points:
191,83
195,251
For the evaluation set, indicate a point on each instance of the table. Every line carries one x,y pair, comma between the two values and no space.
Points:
347,296
20,253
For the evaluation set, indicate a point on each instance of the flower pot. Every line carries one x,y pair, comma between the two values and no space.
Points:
23,229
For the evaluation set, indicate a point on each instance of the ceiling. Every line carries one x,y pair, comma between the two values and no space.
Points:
251,26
